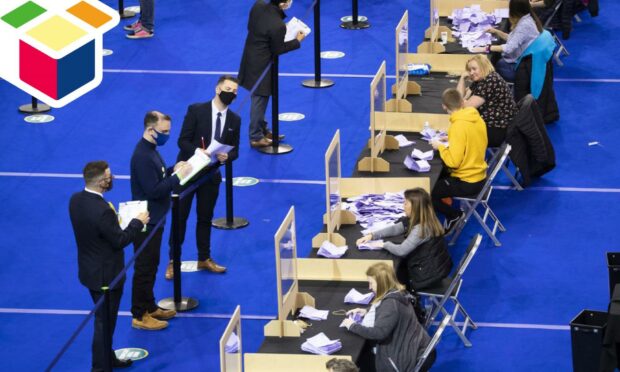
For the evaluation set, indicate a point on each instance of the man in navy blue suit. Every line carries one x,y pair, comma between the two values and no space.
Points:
100,241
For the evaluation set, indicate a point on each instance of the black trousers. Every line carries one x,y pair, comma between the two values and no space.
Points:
206,197
97,346
496,136
447,187
144,273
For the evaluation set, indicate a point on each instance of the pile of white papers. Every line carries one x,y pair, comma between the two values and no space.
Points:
295,26
417,165
354,297
470,25
232,345
371,245
430,134
422,155
321,345
403,141
129,210
329,250
309,312
375,211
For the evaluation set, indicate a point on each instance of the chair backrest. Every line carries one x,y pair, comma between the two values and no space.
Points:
556,9
432,344
495,165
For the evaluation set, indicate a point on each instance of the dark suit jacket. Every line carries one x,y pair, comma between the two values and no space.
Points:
197,125
266,31
100,239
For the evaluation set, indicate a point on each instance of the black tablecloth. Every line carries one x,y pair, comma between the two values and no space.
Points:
432,87
455,46
328,295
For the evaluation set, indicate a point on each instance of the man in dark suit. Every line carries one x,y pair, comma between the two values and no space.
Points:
266,31
100,241
204,123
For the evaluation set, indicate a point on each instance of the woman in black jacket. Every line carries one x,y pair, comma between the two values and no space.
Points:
390,322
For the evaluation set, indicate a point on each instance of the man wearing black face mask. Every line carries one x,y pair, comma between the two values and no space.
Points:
203,123
153,182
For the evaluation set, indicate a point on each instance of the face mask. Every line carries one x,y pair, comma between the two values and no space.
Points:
161,138
108,187
227,97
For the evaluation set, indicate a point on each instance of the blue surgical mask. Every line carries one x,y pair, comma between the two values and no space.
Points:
161,138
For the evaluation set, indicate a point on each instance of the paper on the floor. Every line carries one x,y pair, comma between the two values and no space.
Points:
417,165
354,297
310,312
232,345
329,250
422,155
403,141
293,27
321,344
371,245
129,210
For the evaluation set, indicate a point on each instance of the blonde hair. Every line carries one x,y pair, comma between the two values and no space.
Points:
423,214
386,280
484,64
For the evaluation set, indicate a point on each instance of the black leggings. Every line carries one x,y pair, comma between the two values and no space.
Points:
496,136
447,187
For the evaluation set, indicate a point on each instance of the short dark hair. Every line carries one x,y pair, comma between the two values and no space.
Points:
452,99
224,78
153,117
341,365
94,170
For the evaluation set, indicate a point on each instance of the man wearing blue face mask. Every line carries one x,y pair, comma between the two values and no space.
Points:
153,182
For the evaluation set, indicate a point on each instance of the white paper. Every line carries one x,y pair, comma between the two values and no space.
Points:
216,148
403,141
501,13
330,250
232,345
310,312
293,27
371,245
198,162
427,155
321,344
354,297
129,210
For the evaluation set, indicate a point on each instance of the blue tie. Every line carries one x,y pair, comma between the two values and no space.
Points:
218,127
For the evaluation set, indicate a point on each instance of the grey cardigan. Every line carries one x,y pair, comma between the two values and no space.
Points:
412,241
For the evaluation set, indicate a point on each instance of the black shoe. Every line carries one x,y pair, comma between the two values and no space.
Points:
121,363
451,223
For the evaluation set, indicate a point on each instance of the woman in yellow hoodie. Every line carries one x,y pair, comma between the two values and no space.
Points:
463,157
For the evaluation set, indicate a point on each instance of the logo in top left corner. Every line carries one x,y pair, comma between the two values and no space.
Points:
53,49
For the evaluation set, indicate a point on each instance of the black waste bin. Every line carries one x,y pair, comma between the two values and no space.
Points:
586,333
613,265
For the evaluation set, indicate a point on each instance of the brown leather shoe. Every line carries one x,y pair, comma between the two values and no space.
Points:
210,265
163,314
169,271
269,136
263,142
148,323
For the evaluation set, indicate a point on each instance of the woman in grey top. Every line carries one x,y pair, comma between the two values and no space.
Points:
421,225
525,27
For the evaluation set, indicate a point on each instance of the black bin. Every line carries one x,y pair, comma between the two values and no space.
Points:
586,333
613,265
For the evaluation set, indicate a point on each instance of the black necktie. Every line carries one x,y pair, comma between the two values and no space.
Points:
218,127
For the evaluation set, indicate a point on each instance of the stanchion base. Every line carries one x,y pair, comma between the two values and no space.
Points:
127,14
281,149
355,26
31,110
222,223
323,83
186,304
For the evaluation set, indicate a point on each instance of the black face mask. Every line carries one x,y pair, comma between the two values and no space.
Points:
227,97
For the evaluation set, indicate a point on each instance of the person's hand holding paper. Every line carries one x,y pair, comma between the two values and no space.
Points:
222,157
182,169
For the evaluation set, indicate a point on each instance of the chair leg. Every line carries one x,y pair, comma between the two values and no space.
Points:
461,224
465,314
486,228
455,326
512,178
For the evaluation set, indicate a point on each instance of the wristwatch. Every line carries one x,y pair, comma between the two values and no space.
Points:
488,49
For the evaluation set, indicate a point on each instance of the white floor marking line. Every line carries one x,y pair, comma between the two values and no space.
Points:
551,327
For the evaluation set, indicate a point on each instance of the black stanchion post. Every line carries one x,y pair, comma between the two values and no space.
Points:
317,82
230,222
355,23
107,330
34,107
124,13
276,147
177,302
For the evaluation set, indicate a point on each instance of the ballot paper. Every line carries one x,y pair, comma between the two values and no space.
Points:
430,134
422,155
354,297
127,211
200,160
232,345
311,313
417,165
356,317
375,211
321,344
470,25
216,148
293,27
371,245
403,141
329,250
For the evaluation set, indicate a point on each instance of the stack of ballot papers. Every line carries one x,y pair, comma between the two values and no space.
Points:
422,155
200,160
417,165
232,345
311,313
430,134
371,245
470,25
356,317
321,345
403,141
354,297
329,250
129,210
293,27
375,211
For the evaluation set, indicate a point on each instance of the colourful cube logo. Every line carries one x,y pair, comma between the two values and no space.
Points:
52,49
